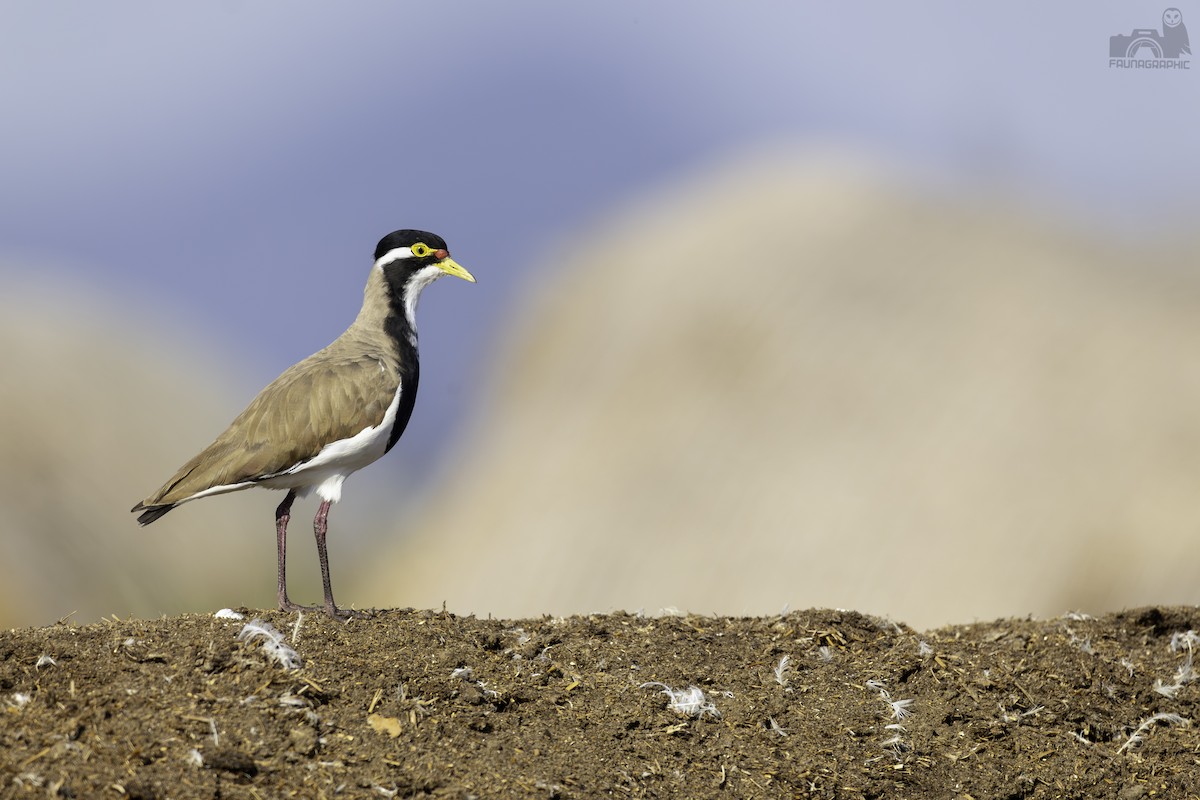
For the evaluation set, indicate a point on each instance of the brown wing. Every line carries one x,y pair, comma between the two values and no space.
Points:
320,400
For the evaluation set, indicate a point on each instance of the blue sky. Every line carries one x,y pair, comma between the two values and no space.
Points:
230,165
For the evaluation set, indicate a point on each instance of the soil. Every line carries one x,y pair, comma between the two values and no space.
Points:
823,704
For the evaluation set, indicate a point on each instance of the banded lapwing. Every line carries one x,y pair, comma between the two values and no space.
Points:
329,415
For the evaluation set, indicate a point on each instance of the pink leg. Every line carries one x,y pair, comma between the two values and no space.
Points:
320,528
282,515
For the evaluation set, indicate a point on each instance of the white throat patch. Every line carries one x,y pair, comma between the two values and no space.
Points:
412,291
415,285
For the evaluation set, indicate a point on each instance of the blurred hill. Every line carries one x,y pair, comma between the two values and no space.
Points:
803,380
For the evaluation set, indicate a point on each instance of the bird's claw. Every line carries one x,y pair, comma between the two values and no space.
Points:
340,614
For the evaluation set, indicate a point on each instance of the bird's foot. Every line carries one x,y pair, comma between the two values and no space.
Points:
346,614
289,606
342,614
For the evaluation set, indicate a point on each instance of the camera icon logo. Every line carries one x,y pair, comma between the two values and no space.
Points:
1171,43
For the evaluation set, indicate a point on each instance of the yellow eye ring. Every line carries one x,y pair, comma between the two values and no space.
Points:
420,250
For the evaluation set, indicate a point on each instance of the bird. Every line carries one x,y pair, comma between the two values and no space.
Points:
329,415
1175,42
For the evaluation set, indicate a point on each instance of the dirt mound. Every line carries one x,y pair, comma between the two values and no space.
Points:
417,703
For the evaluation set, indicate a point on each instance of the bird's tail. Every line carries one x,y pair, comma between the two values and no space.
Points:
150,513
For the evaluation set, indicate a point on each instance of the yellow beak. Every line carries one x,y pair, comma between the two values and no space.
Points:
451,267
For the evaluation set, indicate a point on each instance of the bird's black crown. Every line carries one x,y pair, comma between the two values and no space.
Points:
407,238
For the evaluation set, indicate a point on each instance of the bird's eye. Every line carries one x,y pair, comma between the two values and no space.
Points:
420,250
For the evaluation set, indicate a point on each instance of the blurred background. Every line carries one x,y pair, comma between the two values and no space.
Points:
880,307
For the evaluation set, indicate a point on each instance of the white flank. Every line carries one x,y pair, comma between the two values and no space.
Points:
328,469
